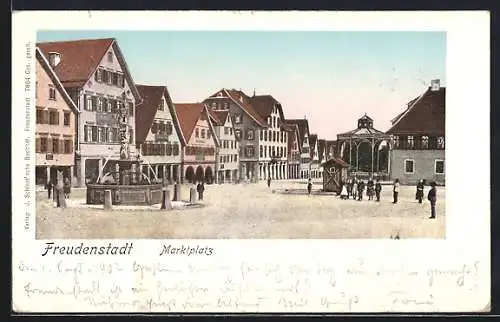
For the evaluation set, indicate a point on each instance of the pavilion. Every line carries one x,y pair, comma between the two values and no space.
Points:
365,149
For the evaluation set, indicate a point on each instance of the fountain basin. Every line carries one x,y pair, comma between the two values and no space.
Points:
143,194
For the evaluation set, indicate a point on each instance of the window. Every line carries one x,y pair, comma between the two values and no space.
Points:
265,135
237,118
43,145
209,134
261,135
237,134
226,130
109,105
231,131
175,149
409,166
197,133
131,136
439,167
68,146
109,77
52,92
98,75
261,154
440,142
55,145
154,128
161,106
265,152
168,128
100,135
67,118
214,105
396,142
249,151
202,133
41,116
110,56
100,104
226,105
54,118
411,143
425,142
89,106
250,134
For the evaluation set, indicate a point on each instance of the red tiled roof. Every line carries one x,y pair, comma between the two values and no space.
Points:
425,116
264,105
188,114
62,91
336,161
219,117
145,115
79,58
246,105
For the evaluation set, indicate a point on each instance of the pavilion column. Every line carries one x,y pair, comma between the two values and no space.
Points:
372,155
350,152
378,159
357,157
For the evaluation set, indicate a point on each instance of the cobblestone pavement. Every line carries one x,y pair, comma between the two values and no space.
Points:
248,211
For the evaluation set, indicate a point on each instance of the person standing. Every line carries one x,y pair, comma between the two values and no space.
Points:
349,188
269,181
361,189
354,189
431,196
309,186
200,188
49,186
395,191
420,191
378,189
369,190
67,187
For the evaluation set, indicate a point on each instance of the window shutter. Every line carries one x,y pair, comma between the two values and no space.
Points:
38,147
49,145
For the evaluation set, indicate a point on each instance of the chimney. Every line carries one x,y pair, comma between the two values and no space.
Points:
435,85
54,59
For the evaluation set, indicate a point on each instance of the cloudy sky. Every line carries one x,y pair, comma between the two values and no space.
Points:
330,77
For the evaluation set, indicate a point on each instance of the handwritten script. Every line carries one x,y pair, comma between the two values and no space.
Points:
243,287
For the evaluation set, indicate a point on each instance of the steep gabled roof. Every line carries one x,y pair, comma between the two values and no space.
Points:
55,80
303,126
425,116
80,59
264,105
189,114
146,111
244,102
313,138
321,148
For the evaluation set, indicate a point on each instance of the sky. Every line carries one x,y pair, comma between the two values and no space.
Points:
330,77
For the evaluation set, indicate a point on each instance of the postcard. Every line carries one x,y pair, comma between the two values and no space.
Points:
228,162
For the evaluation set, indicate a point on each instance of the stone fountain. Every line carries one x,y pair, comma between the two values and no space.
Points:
127,183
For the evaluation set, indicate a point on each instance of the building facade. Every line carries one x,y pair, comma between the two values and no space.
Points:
96,76
55,126
293,151
158,134
247,124
418,138
305,151
321,155
273,141
199,152
226,164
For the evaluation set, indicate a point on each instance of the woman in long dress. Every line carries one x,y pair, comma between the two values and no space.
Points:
343,193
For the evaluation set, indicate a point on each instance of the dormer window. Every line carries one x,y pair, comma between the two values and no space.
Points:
54,59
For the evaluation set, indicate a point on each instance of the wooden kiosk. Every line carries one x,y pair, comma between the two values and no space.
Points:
334,174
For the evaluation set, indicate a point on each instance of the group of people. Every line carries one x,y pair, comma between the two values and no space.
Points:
59,192
355,188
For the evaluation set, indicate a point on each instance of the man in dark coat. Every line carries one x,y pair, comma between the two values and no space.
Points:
49,186
361,189
431,196
378,189
420,191
309,186
369,190
200,188
269,181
